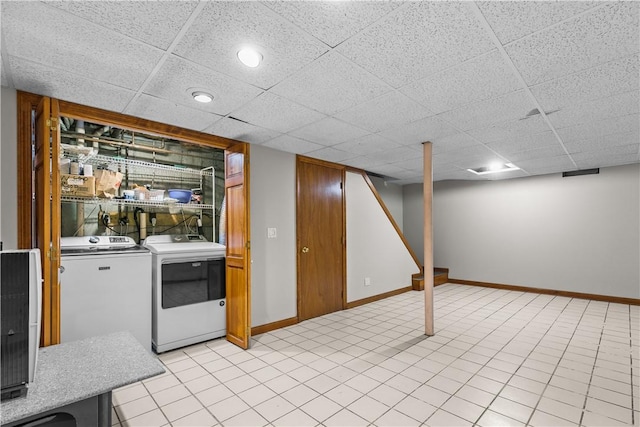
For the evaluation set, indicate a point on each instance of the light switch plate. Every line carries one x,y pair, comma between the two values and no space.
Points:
271,233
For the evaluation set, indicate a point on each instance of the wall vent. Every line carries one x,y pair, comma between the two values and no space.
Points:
593,171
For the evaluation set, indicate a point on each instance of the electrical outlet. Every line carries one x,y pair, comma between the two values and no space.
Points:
367,281
271,233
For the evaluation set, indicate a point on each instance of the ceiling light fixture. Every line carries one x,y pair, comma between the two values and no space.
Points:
203,97
495,168
249,57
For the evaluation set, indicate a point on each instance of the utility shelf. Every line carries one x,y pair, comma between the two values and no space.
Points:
137,203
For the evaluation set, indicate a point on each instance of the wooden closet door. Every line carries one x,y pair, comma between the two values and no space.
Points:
320,232
47,218
238,245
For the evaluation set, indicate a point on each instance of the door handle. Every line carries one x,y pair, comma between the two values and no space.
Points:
305,249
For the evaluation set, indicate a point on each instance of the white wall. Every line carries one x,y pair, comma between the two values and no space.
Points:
8,168
391,195
579,234
374,248
413,218
273,268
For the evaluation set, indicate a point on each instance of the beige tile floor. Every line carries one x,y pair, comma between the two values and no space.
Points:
498,358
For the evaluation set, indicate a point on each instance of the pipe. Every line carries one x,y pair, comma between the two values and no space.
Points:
80,129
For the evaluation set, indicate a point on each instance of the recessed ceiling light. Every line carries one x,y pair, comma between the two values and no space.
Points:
203,97
495,168
249,57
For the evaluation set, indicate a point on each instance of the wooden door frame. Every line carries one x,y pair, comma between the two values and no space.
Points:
27,103
342,168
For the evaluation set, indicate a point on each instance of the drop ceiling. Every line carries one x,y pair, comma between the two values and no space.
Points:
547,86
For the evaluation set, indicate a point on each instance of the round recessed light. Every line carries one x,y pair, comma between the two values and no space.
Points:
249,57
202,97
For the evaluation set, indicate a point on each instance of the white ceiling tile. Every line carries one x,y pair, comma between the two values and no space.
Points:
412,164
535,153
603,143
284,47
605,158
179,78
163,111
417,40
512,129
596,37
472,152
389,110
558,164
332,21
599,109
65,42
386,170
601,81
337,85
364,162
241,131
367,145
292,145
512,106
407,175
628,151
475,162
511,20
62,84
328,131
273,112
419,131
509,146
484,77
155,23
399,154
601,128
330,154
453,142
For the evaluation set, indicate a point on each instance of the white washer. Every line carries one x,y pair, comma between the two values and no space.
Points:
189,290
105,287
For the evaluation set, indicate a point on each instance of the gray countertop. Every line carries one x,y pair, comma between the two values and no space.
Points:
74,371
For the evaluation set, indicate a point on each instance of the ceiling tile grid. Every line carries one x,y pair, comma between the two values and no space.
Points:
241,131
274,112
332,22
602,35
511,20
389,110
486,76
178,78
65,42
292,145
330,84
328,131
601,81
416,40
360,83
368,145
223,28
37,78
163,111
154,23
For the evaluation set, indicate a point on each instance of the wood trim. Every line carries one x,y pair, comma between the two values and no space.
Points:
150,127
324,163
27,102
268,327
378,297
390,217
569,294
427,148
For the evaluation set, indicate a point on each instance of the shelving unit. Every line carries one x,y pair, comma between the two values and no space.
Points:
136,203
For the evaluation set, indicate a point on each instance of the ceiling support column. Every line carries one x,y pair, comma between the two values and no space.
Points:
428,239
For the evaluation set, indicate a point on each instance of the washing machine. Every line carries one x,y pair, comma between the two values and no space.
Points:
105,287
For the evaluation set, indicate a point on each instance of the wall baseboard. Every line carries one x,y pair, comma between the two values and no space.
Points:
378,297
596,297
257,330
